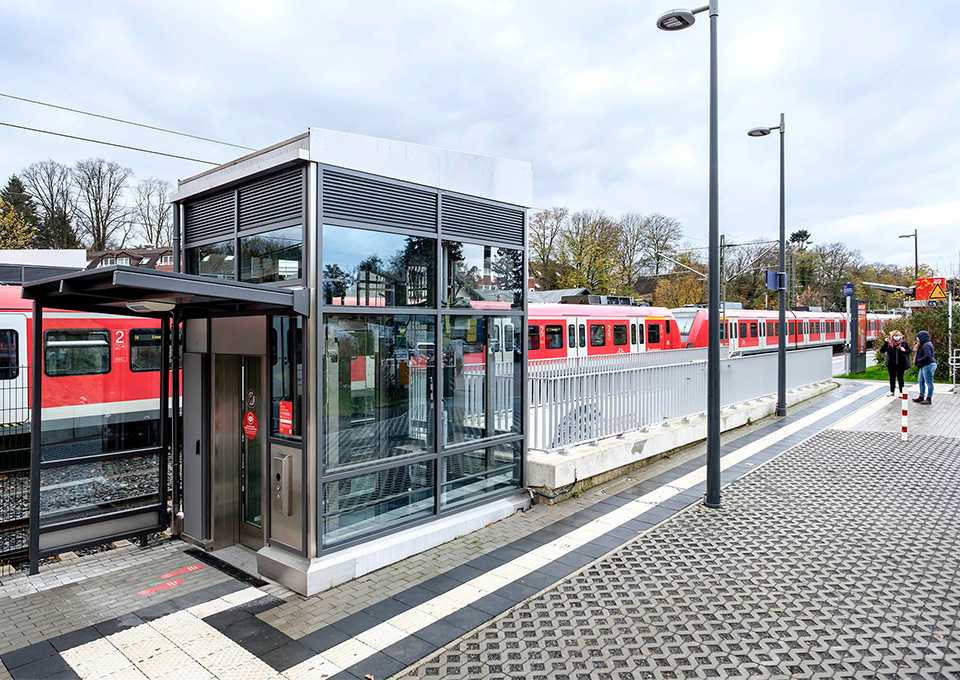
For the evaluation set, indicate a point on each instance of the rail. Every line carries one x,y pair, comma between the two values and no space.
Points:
584,399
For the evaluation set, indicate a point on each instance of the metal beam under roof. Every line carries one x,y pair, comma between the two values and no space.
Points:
131,291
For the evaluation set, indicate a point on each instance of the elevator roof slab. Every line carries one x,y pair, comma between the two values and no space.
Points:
144,292
495,179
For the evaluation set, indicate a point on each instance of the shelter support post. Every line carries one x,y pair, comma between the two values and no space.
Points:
163,519
36,371
175,430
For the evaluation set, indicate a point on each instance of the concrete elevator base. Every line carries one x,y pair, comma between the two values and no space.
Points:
309,577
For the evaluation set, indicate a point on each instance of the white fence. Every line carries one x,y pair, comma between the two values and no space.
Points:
584,399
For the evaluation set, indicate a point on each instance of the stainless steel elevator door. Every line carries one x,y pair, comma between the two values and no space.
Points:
225,438
254,424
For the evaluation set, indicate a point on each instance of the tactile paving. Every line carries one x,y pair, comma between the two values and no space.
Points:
837,558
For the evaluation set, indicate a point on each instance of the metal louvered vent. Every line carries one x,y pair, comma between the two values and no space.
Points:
468,219
273,200
11,273
361,199
209,217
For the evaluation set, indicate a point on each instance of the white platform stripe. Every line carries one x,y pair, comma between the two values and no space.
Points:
194,648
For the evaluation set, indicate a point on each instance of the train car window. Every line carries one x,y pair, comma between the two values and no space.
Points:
598,335
723,331
653,333
145,349
572,335
508,337
770,328
667,326
640,333
843,326
633,334
76,352
583,335
9,354
494,339
743,329
554,336
619,334
533,336
753,329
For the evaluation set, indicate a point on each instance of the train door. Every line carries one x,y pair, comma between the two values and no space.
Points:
14,404
576,336
637,337
669,328
655,333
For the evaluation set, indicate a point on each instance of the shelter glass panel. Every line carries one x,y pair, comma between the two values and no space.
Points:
377,501
481,277
377,269
482,378
95,488
470,476
378,391
272,256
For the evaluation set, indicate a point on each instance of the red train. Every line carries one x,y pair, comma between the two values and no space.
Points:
567,330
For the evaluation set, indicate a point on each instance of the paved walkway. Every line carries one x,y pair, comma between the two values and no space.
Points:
838,551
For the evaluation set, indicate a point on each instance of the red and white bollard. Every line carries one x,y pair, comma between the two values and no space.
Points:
903,418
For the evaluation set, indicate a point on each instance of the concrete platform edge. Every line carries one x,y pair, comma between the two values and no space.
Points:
592,464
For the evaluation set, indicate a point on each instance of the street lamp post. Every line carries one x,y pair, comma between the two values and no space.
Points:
781,277
676,20
916,262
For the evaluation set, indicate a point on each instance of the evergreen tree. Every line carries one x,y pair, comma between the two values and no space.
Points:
56,231
15,195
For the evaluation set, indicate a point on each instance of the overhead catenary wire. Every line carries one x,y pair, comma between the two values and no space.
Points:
124,121
114,144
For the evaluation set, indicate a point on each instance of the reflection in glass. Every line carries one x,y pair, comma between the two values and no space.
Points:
90,489
468,477
378,389
214,260
272,256
482,368
76,352
481,277
9,355
371,268
145,349
286,370
376,501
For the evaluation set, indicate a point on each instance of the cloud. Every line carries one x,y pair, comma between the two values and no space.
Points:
611,111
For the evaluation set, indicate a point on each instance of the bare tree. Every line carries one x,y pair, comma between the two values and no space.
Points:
50,184
104,218
629,252
546,230
661,234
153,211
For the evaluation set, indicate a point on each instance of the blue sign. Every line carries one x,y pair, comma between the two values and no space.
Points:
848,290
771,280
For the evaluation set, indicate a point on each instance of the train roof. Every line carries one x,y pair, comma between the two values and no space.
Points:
606,311
10,299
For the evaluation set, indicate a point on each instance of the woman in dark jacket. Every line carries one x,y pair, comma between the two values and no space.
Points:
898,359
927,365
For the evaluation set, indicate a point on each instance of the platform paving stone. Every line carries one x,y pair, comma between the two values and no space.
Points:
838,558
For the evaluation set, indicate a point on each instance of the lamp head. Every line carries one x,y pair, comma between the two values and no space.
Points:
758,132
906,235
675,20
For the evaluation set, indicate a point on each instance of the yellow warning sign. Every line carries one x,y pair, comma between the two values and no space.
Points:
937,293
931,288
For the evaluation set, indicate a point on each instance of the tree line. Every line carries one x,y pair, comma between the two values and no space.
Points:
95,204
645,255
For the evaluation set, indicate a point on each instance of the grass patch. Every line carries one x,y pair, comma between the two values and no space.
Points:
880,373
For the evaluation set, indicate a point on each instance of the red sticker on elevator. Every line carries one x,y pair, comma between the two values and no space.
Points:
185,570
162,586
250,424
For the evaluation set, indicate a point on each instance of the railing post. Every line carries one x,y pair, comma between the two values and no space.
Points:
36,416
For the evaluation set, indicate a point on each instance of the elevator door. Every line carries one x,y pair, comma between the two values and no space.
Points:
252,452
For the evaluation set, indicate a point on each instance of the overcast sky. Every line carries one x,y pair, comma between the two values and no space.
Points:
611,111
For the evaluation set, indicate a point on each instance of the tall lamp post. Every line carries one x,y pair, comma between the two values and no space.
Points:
916,262
781,278
677,20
